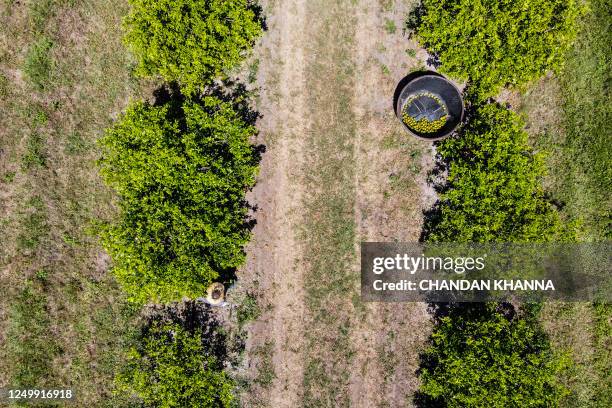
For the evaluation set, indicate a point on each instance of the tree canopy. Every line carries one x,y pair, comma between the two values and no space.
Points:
181,171
495,43
170,368
484,356
493,192
190,41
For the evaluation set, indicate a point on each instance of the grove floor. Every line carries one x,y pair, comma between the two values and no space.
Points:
338,170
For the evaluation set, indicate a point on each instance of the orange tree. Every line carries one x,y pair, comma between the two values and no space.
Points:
493,192
495,43
171,368
190,41
181,171
488,355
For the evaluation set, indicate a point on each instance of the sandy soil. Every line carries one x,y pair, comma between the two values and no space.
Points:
274,252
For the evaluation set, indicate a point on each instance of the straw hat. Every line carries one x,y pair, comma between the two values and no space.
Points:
215,294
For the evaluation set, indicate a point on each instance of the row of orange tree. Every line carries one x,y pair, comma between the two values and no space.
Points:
493,354
181,167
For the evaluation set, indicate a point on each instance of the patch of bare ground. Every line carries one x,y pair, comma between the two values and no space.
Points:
392,193
274,363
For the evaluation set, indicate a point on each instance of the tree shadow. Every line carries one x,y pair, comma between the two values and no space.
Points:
229,90
415,18
238,95
192,316
168,93
260,16
433,60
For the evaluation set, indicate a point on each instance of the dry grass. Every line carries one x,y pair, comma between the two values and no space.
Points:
55,105
366,181
329,230
391,195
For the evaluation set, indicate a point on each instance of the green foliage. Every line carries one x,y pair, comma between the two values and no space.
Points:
4,86
493,191
481,356
8,177
39,12
390,27
265,365
38,63
33,226
190,41
247,310
253,71
181,171
75,144
31,346
495,43
171,368
34,155
603,358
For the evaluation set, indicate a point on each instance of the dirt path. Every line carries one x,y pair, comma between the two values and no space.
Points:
338,170
391,195
275,340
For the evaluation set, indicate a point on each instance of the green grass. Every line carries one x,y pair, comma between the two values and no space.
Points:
329,228
253,70
586,87
31,347
387,356
33,225
247,310
39,64
4,86
39,12
76,144
583,331
603,357
34,155
265,366
574,121
577,144
390,26
8,177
